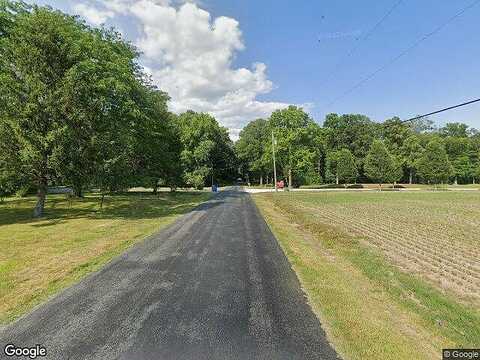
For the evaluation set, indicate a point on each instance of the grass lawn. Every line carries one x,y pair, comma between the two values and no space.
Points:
385,272
40,257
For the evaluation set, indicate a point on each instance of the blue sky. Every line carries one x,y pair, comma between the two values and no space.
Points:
298,68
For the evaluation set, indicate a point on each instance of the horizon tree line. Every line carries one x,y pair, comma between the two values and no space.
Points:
352,148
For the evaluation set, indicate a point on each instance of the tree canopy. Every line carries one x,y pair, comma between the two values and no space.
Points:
379,164
76,109
434,166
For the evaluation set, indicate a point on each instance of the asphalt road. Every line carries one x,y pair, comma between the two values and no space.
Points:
214,285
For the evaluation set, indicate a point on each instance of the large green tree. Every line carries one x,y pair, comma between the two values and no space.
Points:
351,131
68,94
434,165
346,168
395,133
463,169
105,107
37,52
331,167
379,163
157,142
208,152
296,134
411,151
251,149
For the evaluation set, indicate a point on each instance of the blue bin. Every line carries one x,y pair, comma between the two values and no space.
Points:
214,188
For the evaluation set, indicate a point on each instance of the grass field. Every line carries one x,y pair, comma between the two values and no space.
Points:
40,257
386,272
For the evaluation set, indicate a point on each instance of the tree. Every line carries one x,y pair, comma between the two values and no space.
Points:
33,63
421,125
346,169
395,133
411,151
251,148
396,172
476,172
67,91
207,149
455,129
458,150
305,170
295,133
331,167
10,166
157,147
434,166
9,10
462,169
351,131
379,164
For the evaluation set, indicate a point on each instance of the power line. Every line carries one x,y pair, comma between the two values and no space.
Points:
403,53
357,45
390,11
442,110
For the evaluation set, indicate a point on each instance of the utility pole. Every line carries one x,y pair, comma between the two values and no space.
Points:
274,165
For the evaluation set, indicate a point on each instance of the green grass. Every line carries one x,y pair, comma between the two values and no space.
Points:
372,305
41,257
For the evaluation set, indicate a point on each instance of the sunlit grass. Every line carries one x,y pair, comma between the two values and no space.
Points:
76,237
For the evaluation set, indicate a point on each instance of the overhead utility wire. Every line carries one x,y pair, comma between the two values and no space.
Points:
357,45
403,53
442,110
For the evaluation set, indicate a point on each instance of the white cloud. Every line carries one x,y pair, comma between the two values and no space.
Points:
190,55
92,15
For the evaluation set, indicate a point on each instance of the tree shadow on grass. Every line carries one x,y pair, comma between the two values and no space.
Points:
119,206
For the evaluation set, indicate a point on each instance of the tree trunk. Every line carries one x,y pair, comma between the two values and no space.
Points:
261,180
456,181
345,185
41,195
336,180
155,188
410,179
101,202
380,187
289,179
473,180
268,180
78,188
